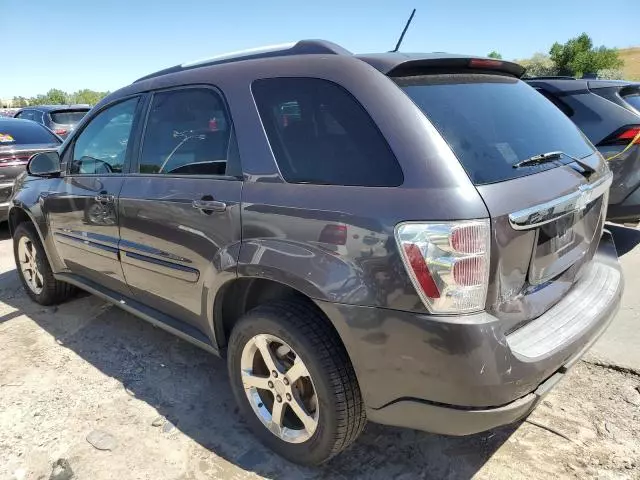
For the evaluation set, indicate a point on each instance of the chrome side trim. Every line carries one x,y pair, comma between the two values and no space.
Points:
544,213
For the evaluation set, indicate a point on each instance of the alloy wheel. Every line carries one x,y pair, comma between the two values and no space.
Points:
279,388
28,260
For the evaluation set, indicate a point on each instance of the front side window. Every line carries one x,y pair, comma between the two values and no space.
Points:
188,132
320,134
101,147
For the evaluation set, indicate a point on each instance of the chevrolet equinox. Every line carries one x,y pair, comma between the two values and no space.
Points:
417,240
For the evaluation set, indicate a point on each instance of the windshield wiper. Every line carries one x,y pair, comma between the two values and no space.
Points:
538,159
549,156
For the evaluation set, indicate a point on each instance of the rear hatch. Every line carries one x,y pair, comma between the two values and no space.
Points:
546,215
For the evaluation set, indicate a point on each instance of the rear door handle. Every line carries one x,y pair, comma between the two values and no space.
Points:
104,198
209,205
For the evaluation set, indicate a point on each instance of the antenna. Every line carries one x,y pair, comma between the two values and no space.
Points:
404,31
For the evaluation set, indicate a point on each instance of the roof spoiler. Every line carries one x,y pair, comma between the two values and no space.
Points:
402,65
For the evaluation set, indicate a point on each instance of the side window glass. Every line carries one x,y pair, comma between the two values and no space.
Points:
566,109
26,114
101,148
320,134
188,132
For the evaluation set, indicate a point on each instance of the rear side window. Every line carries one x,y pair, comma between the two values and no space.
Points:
564,108
68,117
492,122
320,134
188,132
634,100
25,133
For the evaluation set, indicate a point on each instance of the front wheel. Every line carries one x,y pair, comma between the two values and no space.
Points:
294,383
34,270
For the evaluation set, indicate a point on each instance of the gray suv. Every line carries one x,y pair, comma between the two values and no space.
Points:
416,240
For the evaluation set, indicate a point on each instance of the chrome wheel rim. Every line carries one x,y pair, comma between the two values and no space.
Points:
279,388
28,261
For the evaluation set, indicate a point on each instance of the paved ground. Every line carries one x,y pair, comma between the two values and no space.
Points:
620,345
162,410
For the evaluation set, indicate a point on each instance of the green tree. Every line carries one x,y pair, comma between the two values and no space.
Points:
578,56
90,97
539,65
56,97
495,54
19,102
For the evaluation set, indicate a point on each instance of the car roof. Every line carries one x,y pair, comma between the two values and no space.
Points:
387,63
571,83
50,108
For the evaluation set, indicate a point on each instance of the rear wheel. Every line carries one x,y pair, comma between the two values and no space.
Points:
34,270
294,383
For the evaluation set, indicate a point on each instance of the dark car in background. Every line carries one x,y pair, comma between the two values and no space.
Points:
413,239
608,112
19,140
61,119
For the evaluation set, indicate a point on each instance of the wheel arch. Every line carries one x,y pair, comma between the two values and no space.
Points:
238,296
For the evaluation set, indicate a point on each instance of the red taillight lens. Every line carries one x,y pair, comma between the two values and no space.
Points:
447,262
484,63
334,234
624,136
61,131
630,134
420,270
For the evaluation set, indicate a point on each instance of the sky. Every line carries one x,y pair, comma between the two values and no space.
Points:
106,44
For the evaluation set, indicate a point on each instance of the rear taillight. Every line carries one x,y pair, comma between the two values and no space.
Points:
448,263
60,131
624,136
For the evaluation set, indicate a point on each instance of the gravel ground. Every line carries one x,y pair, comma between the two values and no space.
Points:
90,392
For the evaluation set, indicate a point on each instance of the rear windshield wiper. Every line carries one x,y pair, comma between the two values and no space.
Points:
550,156
538,159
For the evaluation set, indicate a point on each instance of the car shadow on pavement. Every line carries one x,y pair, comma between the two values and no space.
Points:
189,387
625,238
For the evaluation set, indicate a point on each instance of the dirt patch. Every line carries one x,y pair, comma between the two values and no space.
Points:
166,410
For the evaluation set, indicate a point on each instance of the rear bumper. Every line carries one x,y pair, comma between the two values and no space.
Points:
463,375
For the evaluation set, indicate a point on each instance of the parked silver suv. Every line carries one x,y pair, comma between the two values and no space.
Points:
416,240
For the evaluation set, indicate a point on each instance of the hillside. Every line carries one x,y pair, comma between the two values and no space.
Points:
631,57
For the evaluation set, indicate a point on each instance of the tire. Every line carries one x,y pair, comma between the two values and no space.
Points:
340,410
50,291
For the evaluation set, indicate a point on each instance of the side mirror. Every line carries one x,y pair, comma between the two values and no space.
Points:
44,164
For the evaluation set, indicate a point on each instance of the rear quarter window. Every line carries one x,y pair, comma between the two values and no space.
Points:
492,122
633,99
320,134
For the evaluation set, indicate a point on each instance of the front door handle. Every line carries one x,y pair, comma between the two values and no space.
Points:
104,198
208,206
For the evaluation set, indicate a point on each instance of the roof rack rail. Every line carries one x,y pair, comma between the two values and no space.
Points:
302,47
551,77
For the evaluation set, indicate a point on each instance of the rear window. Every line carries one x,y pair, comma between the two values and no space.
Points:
492,122
68,117
633,100
320,134
25,133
